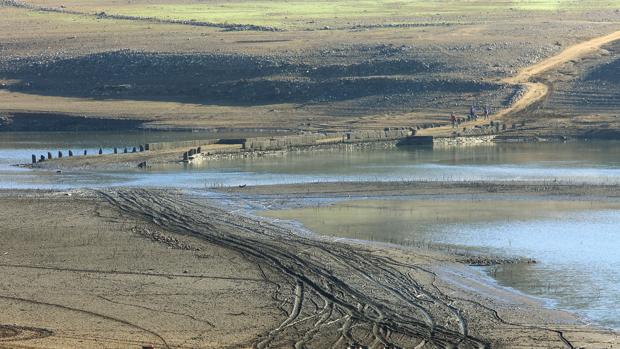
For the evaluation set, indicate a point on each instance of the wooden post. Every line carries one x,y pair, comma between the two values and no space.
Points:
115,150
59,154
34,159
185,156
199,150
49,155
125,151
100,151
133,150
141,148
85,152
70,153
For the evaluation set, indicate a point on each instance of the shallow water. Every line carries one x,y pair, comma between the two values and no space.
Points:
17,148
589,162
576,243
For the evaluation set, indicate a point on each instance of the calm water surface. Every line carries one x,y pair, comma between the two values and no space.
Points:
575,243
570,162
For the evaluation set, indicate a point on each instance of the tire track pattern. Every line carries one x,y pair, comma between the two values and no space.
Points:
21,333
339,294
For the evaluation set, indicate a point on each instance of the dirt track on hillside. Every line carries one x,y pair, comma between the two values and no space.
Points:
535,91
356,76
573,52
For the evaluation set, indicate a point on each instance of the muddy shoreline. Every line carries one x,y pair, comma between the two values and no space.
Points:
359,293
405,188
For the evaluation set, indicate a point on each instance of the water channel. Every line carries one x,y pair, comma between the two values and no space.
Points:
575,242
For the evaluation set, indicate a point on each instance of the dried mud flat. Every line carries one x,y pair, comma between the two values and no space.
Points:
120,268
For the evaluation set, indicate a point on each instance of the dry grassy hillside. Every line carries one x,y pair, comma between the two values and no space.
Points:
289,65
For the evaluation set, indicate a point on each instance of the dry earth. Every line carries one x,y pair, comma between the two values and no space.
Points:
137,266
77,273
405,70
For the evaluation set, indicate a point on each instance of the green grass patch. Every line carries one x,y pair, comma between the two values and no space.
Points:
301,14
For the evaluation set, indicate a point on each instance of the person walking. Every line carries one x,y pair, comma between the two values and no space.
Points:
472,113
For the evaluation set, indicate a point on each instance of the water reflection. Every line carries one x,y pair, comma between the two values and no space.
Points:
571,162
575,242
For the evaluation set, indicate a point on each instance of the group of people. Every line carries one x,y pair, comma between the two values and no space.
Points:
473,115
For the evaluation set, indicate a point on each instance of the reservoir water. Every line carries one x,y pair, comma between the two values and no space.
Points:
575,242
580,162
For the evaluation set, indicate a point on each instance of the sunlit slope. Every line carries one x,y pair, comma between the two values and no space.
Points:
322,14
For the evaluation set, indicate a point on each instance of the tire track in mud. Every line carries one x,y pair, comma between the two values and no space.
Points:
499,319
10,333
283,251
119,272
89,313
339,293
210,324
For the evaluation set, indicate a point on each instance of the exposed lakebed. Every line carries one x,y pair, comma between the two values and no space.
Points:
574,240
575,243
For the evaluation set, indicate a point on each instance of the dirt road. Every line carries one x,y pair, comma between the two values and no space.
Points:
536,91
573,52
